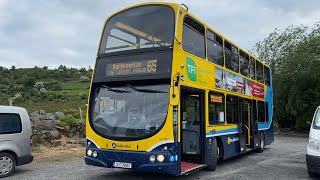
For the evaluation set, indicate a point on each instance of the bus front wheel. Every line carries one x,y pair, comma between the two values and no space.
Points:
214,157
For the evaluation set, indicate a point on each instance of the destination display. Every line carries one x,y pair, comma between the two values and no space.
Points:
232,82
130,68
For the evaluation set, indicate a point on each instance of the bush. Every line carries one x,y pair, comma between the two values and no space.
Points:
57,87
69,120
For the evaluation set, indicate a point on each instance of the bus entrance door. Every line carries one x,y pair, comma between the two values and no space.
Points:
254,130
192,128
244,126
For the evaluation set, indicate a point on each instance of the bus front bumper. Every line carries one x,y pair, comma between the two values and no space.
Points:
139,161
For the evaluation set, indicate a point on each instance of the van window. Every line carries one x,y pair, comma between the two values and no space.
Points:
316,123
10,123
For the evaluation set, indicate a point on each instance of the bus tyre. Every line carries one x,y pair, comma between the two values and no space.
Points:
262,143
7,164
214,157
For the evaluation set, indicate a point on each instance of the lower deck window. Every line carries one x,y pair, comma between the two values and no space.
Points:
216,108
232,109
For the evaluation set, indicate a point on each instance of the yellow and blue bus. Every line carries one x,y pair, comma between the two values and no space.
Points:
171,95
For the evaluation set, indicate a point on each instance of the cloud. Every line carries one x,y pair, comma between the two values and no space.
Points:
50,33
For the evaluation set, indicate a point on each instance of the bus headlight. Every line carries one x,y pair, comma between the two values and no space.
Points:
152,158
314,143
160,158
89,152
95,154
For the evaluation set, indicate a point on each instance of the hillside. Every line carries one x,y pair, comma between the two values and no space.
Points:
61,89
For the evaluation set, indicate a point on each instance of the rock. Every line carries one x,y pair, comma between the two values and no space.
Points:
38,115
48,135
67,128
55,134
81,122
35,139
73,129
34,116
42,112
84,79
59,115
49,116
49,125
71,134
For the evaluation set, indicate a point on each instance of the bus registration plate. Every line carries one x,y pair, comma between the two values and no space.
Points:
122,165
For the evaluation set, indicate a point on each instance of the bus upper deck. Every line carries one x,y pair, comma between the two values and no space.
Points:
171,95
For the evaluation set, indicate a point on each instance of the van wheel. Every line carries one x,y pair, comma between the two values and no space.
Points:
262,143
7,164
215,157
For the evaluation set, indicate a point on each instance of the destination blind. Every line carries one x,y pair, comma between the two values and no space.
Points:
130,68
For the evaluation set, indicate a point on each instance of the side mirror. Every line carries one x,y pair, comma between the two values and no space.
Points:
174,96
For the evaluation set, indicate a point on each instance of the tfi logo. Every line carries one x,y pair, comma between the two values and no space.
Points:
191,69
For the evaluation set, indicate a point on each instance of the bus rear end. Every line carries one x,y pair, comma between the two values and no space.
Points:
130,120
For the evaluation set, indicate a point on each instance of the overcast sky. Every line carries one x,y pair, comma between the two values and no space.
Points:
50,33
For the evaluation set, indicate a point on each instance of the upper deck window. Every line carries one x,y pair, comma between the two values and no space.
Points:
244,64
141,27
252,65
193,40
266,75
259,67
215,50
232,61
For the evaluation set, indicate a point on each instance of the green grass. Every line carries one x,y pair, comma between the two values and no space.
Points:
73,92
53,106
76,85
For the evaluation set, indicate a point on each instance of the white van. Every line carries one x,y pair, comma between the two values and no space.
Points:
15,139
313,148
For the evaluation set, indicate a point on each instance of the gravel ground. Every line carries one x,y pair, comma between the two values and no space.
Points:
284,159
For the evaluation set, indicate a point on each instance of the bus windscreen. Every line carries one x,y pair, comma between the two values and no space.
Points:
142,27
129,111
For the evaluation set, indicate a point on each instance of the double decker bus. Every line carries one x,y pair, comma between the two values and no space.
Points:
172,95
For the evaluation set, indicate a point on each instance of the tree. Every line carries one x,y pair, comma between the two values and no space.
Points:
29,81
13,67
294,57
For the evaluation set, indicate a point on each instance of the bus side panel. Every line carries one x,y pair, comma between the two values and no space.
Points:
231,145
269,136
268,129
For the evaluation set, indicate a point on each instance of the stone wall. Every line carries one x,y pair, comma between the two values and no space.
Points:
47,127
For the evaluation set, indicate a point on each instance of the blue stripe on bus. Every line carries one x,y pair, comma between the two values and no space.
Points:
269,99
225,131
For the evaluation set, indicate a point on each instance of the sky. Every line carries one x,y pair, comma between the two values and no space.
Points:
50,33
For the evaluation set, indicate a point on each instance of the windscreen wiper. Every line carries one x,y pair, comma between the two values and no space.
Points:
144,90
115,90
